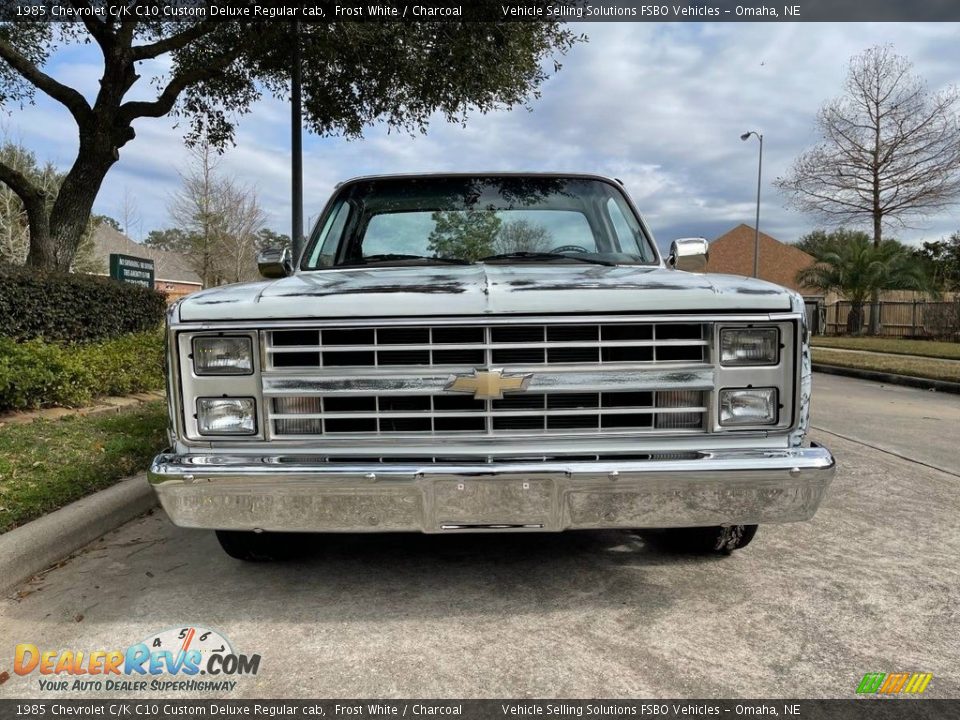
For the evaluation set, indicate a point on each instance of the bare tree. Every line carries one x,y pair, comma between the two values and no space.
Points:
218,220
239,219
14,233
522,236
130,218
889,152
192,210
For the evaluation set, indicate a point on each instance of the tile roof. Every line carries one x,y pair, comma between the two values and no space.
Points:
732,253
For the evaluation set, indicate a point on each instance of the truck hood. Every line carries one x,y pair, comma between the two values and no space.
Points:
482,290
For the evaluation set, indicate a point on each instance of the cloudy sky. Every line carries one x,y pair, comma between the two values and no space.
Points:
660,106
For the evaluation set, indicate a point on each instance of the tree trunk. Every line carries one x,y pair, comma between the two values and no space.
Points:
855,319
874,327
42,251
70,213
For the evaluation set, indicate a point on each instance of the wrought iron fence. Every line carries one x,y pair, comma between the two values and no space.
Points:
906,319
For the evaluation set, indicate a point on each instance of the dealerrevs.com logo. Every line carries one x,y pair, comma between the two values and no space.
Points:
190,658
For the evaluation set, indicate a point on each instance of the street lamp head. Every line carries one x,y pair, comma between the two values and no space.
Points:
746,136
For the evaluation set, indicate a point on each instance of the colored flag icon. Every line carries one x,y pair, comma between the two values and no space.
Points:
894,683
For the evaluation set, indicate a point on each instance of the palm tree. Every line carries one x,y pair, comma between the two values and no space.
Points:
855,268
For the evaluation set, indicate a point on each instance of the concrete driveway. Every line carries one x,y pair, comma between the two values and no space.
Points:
870,585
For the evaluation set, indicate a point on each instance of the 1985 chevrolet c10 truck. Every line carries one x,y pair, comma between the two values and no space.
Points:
489,352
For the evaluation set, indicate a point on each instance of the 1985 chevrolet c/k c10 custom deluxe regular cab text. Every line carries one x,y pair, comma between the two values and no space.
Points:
492,352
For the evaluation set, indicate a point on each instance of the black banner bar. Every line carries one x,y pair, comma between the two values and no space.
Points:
875,709
486,10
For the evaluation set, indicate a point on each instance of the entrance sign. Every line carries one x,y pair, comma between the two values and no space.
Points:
130,269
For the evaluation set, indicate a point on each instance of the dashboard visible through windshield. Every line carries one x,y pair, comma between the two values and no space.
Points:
465,219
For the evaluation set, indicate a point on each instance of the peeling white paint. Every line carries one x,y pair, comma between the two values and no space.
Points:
483,289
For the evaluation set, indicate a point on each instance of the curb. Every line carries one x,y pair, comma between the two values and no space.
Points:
104,406
31,548
890,378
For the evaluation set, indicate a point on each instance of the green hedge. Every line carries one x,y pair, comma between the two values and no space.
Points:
62,308
37,374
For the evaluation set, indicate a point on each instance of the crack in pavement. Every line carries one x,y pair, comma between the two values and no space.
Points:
884,450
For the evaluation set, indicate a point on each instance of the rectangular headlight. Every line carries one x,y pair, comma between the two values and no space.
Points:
748,406
749,346
215,355
226,416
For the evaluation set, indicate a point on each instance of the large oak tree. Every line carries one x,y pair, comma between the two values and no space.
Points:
354,75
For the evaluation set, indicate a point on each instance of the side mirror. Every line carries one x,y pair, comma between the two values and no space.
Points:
689,254
275,263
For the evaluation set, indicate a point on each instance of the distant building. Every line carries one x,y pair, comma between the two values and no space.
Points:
732,253
173,275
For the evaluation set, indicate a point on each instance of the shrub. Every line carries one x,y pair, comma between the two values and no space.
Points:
128,364
63,308
36,374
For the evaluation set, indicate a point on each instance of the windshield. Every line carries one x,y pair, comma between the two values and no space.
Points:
510,219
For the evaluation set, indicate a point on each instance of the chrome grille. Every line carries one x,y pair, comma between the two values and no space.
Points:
586,378
473,345
534,413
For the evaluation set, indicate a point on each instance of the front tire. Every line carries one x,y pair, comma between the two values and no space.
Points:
256,547
716,540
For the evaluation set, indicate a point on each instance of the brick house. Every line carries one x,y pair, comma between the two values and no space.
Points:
172,274
732,253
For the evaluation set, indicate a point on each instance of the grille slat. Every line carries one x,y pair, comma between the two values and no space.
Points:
417,346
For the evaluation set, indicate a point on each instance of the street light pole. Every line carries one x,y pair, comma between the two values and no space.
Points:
756,229
296,148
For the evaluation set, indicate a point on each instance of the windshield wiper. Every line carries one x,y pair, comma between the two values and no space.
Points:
390,257
523,255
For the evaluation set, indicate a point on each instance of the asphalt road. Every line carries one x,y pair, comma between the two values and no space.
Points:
870,585
919,425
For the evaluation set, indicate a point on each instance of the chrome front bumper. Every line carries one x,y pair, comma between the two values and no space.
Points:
287,493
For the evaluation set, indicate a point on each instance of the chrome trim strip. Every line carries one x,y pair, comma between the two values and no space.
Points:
503,319
693,378
497,446
168,467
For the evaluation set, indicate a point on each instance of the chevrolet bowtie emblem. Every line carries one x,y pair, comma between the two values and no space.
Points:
488,384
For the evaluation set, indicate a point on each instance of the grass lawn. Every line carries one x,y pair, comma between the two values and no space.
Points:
926,348
48,463
917,366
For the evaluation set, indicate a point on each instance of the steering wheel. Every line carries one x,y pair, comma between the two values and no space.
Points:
569,248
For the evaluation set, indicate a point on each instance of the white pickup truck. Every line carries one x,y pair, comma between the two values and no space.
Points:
487,353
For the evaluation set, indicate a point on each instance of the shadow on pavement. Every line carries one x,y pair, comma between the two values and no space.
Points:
177,574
